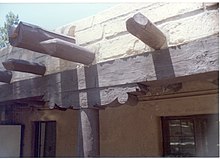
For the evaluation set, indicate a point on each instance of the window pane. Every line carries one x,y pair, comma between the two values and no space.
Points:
188,146
182,146
175,151
187,128
174,145
174,126
175,141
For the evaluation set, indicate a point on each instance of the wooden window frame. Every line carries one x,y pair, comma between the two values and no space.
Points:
199,145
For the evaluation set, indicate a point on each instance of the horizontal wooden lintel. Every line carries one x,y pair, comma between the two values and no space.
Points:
102,83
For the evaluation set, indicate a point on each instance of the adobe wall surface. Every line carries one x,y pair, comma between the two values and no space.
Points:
137,131
125,131
66,129
106,35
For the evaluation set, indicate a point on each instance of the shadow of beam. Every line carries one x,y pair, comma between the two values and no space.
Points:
163,64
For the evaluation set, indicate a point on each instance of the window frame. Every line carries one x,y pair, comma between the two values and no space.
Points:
198,132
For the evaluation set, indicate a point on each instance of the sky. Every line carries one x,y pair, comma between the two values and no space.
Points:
52,15
55,13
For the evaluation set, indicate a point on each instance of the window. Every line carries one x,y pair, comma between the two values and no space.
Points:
44,139
189,136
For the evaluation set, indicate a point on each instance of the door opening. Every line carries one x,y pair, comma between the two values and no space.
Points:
44,139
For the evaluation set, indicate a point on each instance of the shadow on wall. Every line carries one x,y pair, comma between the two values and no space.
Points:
163,64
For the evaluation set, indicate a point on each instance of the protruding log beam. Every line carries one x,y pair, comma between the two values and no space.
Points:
34,38
5,76
67,51
141,27
29,36
24,66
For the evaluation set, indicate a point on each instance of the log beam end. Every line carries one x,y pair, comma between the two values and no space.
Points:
141,27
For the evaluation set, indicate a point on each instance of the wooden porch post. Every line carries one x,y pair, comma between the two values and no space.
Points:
88,133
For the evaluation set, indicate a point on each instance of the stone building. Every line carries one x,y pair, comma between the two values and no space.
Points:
137,101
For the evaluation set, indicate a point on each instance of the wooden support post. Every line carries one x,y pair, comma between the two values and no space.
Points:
24,66
68,51
141,27
34,38
88,133
5,76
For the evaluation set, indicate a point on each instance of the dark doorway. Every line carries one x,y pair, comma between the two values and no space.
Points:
189,136
44,139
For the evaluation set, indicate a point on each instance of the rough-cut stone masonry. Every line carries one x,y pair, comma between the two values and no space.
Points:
106,34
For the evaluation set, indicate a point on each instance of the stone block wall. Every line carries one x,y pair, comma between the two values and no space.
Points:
105,33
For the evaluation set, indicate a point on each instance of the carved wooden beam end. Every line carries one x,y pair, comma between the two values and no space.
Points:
141,27
24,66
159,89
5,76
123,99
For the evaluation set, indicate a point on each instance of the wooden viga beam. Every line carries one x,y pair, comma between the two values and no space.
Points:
141,27
5,76
67,51
24,66
34,38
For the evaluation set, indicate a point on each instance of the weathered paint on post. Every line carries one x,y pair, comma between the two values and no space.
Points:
88,133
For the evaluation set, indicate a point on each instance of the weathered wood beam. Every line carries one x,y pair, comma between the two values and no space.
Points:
38,100
141,27
106,81
5,76
34,38
68,51
88,133
211,75
143,88
160,88
216,82
29,36
179,95
24,66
